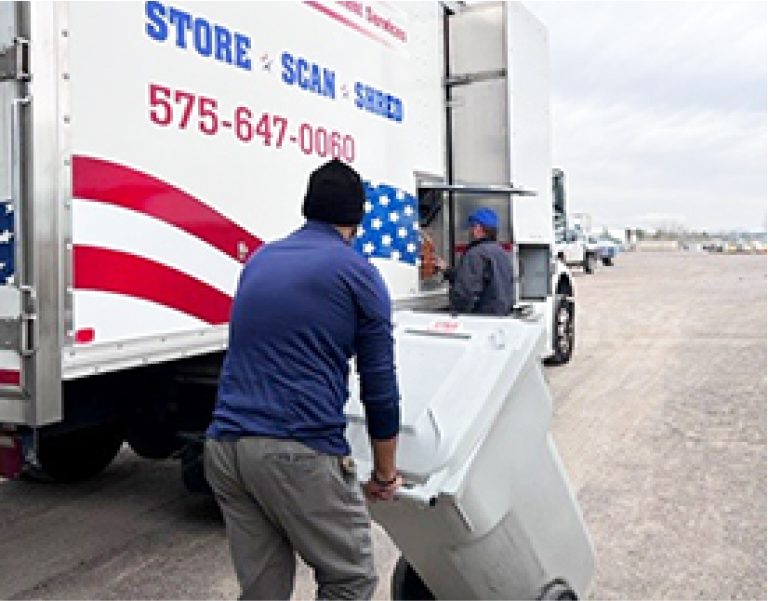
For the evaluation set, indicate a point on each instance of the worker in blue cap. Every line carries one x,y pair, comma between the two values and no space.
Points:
482,282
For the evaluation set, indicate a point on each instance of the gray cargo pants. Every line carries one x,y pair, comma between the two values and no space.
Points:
280,496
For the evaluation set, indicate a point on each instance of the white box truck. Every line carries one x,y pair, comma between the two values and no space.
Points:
147,148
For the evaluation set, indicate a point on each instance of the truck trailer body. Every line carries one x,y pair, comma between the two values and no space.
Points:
148,148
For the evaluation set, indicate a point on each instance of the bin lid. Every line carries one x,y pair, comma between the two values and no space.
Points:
454,374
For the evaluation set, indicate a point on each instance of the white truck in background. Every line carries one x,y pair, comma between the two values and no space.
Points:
572,245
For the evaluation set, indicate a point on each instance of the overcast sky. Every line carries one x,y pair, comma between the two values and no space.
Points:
659,110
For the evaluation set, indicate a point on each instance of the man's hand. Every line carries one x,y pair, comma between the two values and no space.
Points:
384,480
441,263
377,489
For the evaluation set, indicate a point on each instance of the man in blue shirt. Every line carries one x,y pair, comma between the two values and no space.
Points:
276,456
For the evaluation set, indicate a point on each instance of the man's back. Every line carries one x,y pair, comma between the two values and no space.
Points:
483,281
294,328
275,450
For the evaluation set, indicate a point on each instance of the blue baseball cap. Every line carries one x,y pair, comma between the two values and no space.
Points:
485,216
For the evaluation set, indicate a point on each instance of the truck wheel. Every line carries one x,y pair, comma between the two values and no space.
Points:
79,454
153,442
607,261
589,263
406,583
557,591
563,334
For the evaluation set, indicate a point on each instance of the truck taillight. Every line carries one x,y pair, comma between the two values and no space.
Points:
11,456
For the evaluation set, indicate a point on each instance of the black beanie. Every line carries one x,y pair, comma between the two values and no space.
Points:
334,195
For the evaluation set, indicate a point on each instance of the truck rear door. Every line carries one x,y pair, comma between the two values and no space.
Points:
31,169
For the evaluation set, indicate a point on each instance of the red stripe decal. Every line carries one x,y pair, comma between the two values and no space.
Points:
344,20
122,273
10,377
103,181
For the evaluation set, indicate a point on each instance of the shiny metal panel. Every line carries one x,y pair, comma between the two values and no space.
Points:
14,401
39,224
480,132
477,40
478,95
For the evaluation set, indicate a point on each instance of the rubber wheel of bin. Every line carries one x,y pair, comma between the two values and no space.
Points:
563,331
407,585
607,261
79,454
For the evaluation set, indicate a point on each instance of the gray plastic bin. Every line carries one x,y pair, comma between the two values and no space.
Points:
487,512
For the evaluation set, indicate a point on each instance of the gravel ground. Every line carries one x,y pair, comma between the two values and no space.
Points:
660,420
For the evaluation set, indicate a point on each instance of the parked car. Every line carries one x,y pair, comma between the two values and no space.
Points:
574,250
607,249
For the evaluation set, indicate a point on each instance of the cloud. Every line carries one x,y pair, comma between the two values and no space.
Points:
660,108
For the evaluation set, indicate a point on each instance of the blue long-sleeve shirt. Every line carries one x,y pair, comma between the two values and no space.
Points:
304,306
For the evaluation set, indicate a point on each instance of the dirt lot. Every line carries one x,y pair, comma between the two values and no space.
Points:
660,419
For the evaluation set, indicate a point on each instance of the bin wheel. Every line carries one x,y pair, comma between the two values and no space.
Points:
558,591
407,585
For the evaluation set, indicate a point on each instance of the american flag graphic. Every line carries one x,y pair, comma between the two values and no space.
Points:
390,227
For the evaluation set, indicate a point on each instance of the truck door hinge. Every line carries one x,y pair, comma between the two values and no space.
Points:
14,61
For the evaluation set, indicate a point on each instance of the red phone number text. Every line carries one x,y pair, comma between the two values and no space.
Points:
168,107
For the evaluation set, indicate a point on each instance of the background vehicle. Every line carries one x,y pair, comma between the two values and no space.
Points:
575,250
604,247
142,165
571,245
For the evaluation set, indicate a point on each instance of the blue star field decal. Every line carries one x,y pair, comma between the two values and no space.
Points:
390,227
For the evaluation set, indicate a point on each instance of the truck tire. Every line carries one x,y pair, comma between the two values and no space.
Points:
154,442
563,331
557,590
407,585
79,454
152,425
607,261
589,263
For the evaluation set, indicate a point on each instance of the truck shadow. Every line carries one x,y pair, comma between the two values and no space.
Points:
130,485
